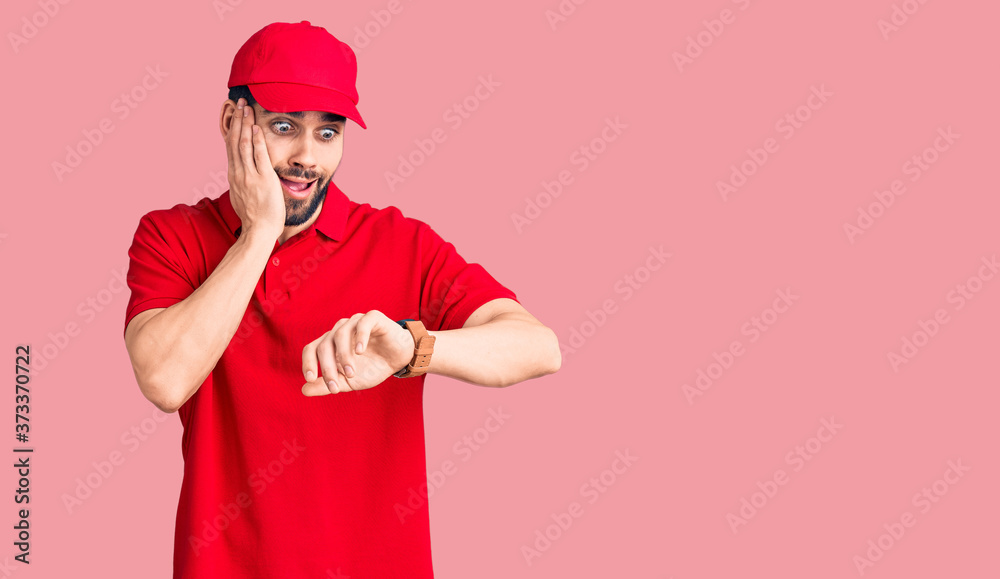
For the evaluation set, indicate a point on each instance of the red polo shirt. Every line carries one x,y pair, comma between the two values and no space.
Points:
277,484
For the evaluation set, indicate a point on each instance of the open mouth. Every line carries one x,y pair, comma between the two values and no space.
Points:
299,189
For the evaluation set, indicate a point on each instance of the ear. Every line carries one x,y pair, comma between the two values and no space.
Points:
225,117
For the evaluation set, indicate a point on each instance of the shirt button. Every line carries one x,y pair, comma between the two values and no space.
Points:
275,261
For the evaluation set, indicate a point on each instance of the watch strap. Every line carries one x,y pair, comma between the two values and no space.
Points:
423,347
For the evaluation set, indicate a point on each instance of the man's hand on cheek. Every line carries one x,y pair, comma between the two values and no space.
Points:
358,353
255,191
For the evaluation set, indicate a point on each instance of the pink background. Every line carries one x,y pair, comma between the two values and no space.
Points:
665,515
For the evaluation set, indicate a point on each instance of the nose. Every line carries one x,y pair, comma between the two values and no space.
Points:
303,153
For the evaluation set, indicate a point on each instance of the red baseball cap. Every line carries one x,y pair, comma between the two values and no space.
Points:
298,67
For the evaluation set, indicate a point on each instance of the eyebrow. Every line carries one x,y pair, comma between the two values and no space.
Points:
327,117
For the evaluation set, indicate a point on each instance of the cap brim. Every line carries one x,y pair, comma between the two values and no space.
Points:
285,97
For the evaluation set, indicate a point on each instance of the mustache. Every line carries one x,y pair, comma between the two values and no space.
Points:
285,173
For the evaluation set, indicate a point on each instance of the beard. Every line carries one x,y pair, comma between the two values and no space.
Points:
298,211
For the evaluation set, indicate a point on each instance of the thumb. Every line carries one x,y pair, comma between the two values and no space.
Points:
368,324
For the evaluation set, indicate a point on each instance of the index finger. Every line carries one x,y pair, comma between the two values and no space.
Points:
310,362
262,161
315,384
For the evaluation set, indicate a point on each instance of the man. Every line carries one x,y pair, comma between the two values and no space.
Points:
273,319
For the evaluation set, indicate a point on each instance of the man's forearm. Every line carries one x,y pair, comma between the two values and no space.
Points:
177,348
508,349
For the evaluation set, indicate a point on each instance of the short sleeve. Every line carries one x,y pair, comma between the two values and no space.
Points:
452,289
156,277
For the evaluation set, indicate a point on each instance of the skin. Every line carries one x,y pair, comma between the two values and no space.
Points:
174,349
300,146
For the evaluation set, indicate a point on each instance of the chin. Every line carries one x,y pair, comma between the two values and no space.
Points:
298,211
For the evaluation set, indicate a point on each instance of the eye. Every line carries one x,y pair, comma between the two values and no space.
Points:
328,133
281,127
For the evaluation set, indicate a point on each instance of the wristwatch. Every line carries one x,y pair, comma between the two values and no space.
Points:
423,347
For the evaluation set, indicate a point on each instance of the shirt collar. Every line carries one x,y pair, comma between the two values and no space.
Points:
331,222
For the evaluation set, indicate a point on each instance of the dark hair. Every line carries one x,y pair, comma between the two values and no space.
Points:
243,91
